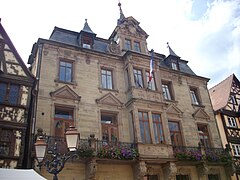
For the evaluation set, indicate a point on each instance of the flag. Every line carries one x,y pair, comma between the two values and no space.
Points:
151,67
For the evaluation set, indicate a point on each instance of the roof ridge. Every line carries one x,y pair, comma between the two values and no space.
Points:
221,82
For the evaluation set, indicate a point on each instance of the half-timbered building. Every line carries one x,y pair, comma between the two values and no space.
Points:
16,84
225,98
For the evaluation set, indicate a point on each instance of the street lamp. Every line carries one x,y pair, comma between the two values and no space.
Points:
57,162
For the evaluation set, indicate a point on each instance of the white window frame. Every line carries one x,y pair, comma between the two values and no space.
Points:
232,121
166,91
236,150
193,94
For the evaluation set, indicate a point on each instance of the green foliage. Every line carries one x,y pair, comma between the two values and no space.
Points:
123,153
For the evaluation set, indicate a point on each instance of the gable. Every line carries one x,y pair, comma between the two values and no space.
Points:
10,61
65,92
234,97
200,114
109,99
172,109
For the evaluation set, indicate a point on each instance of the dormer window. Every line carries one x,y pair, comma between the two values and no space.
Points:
174,65
86,42
137,46
128,44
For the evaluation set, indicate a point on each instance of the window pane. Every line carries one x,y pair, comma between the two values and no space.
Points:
213,177
166,92
203,135
138,78
144,127
106,79
175,133
65,71
194,97
68,75
137,46
62,74
127,44
3,91
13,94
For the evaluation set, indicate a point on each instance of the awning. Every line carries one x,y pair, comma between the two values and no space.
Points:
19,174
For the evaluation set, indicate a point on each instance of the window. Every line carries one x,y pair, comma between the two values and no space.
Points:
174,65
182,177
65,71
167,90
109,127
175,133
232,122
194,96
158,129
63,118
128,44
9,93
213,177
152,177
151,84
203,135
86,42
138,78
106,79
236,149
137,46
144,127
6,142
233,99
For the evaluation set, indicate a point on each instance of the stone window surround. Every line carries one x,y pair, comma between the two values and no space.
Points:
170,89
195,91
57,80
114,78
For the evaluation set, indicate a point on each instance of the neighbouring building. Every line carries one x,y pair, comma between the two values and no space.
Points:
225,98
159,129
16,83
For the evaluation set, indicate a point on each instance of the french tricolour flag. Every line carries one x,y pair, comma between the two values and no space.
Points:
151,66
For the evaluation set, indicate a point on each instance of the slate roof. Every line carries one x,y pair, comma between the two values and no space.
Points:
101,45
220,93
72,38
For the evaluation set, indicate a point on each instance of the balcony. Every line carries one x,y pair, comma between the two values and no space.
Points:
91,147
196,154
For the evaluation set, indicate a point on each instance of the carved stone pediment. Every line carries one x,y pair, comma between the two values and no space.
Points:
65,92
109,99
131,26
201,114
172,109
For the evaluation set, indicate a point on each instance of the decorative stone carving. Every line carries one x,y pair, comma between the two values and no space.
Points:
18,135
12,114
202,169
170,171
140,170
113,47
230,169
91,169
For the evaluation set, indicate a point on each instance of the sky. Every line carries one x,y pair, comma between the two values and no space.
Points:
206,33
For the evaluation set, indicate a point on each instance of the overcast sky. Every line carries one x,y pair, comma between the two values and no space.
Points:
206,33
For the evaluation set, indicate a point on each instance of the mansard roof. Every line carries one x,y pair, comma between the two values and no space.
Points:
71,38
220,93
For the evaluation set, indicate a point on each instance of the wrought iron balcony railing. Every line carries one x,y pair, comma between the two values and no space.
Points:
96,148
202,153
